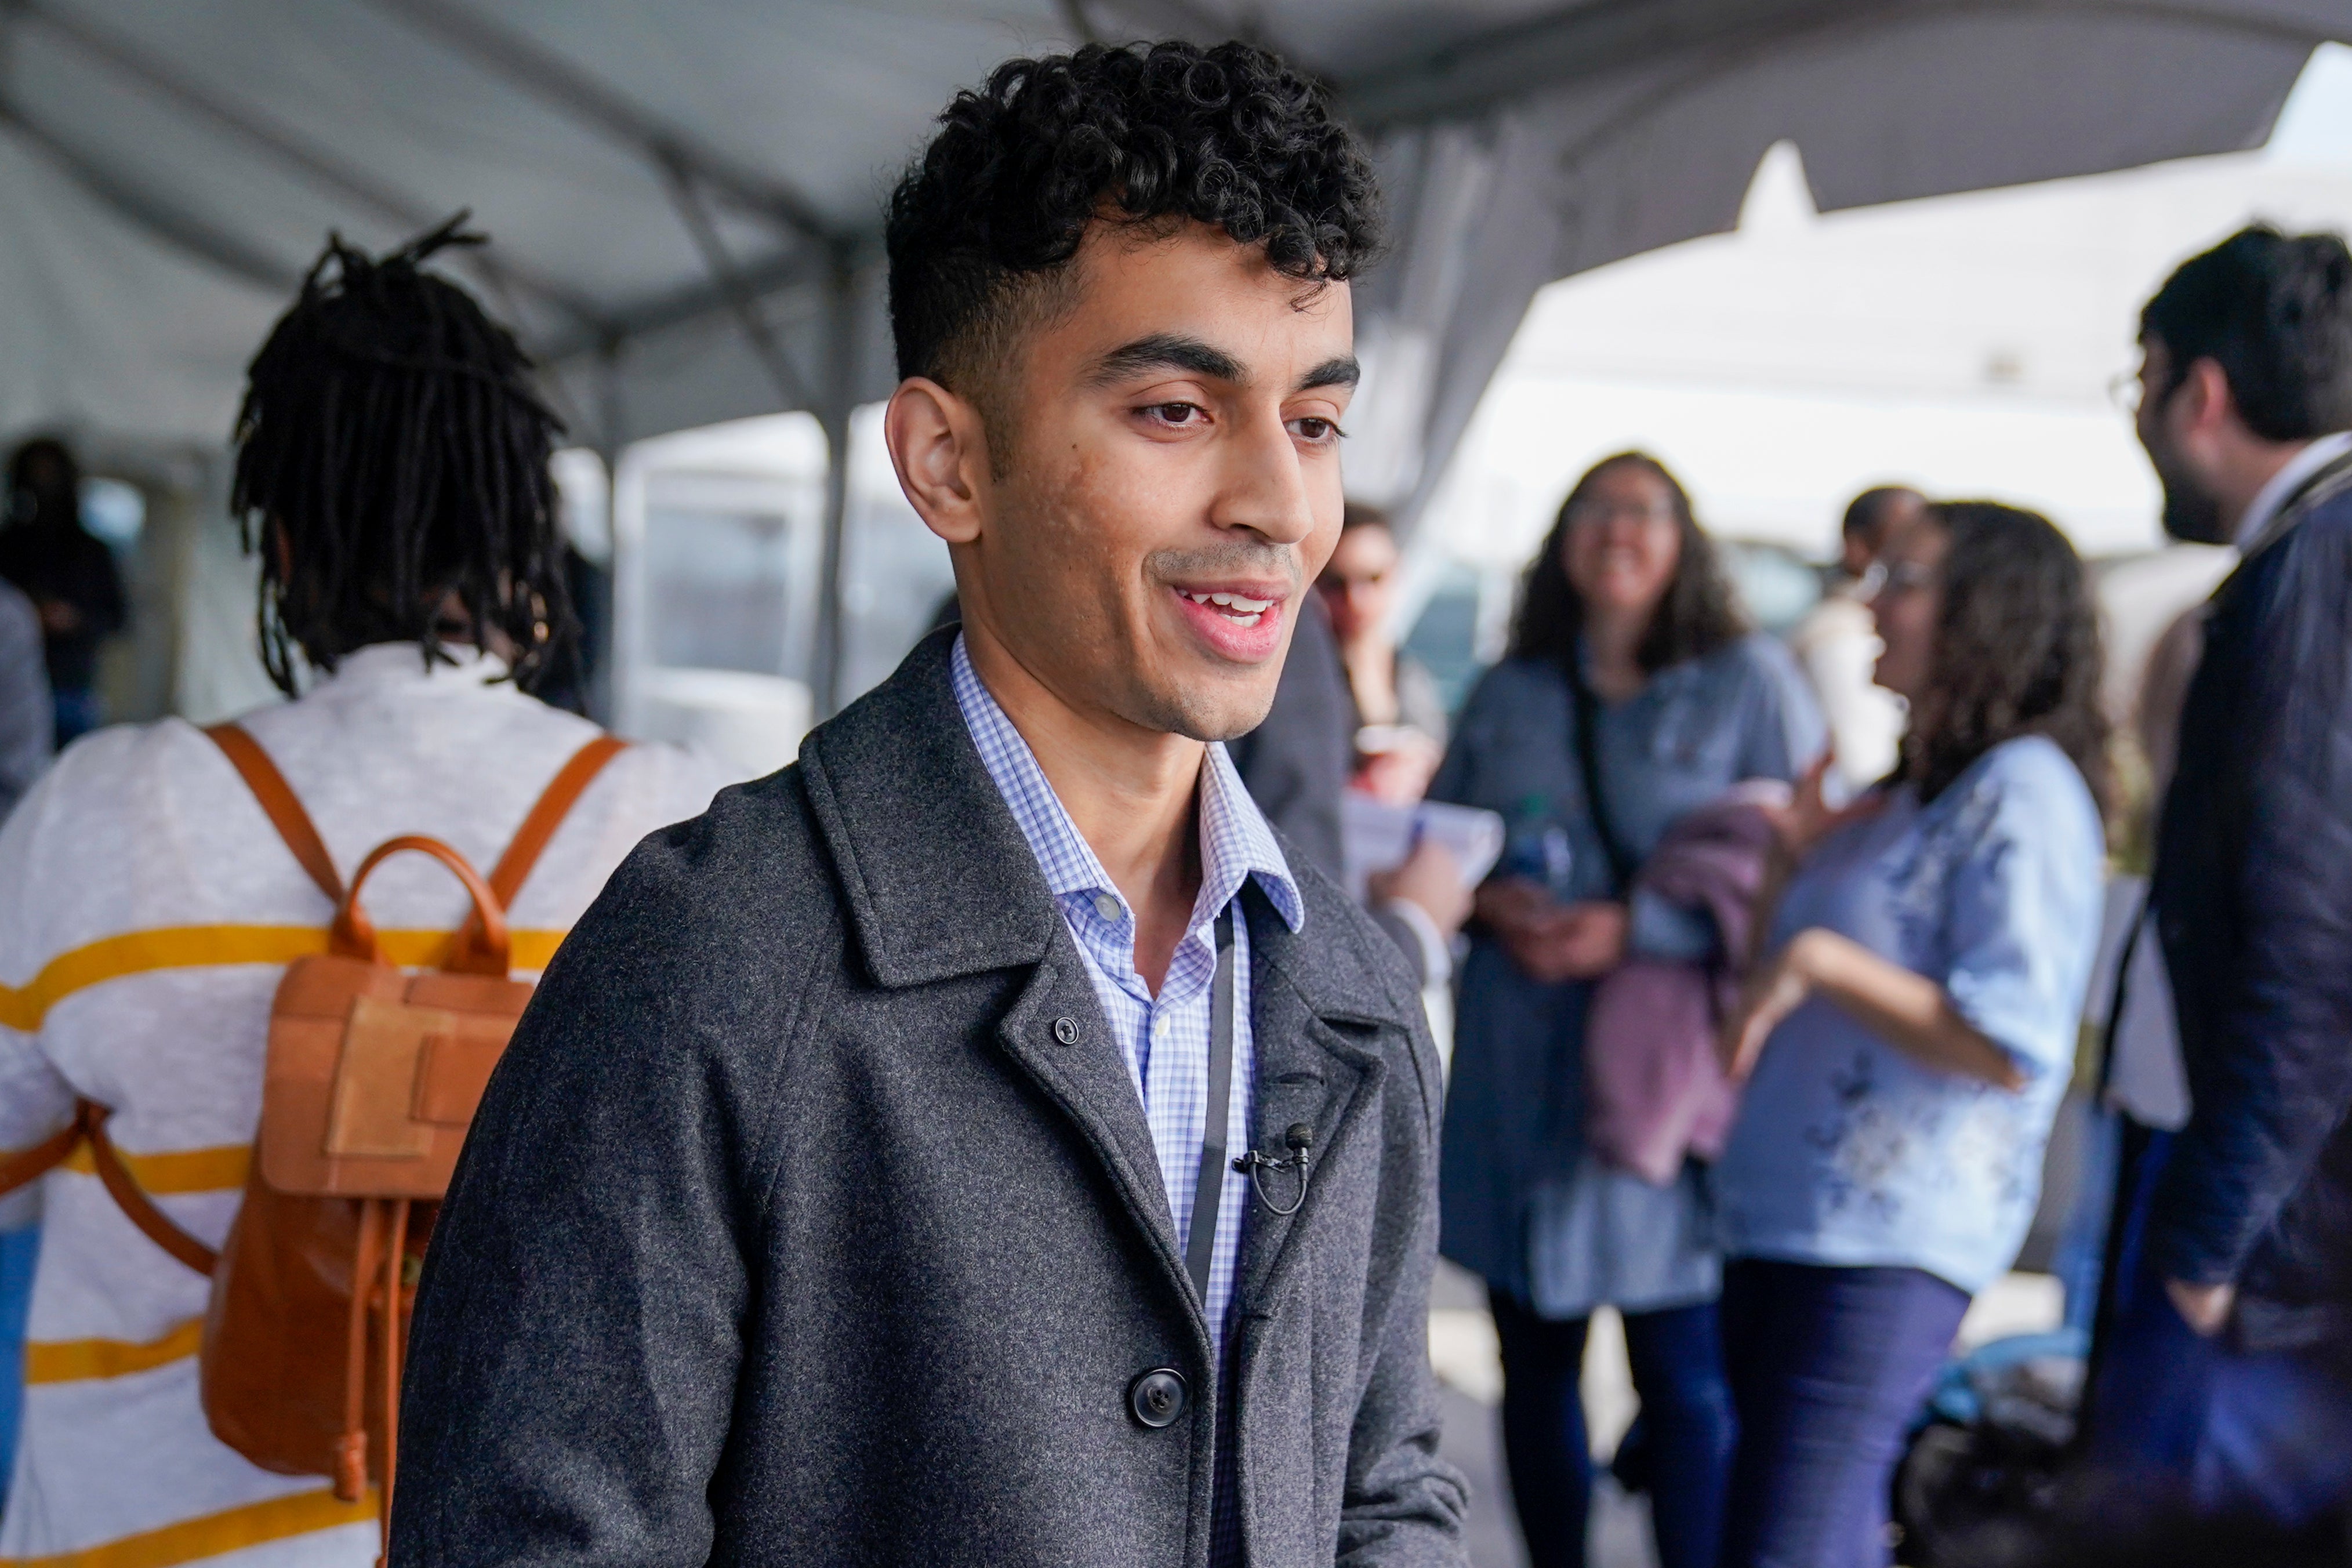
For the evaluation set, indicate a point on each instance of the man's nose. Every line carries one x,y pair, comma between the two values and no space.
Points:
1265,488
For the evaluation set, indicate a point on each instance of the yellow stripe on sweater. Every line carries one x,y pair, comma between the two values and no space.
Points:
75,1361
210,1535
177,1170
196,947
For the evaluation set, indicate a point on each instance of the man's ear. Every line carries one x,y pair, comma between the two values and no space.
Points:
2205,399
940,451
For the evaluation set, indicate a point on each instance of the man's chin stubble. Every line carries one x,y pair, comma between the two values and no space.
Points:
1199,718
2192,516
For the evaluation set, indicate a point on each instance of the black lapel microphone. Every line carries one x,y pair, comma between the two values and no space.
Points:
1300,1138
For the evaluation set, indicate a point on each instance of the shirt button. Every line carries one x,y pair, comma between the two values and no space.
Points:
1157,1398
1107,907
1066,1031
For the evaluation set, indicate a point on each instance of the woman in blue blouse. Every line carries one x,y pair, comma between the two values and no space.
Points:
1912,1031
1626,594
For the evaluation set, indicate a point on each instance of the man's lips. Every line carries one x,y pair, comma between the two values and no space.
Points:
1240,621
1243,603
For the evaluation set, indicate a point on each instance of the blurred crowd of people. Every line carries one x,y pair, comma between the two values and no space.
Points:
1761,1023
1899,938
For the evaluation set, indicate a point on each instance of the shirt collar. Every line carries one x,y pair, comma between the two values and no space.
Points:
2272,498
403,664
1236,844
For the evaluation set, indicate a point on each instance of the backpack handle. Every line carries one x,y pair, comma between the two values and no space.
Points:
353,934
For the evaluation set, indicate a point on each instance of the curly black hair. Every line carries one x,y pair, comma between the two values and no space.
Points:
1698,614
1142,133
2017,648
392,453
2274,311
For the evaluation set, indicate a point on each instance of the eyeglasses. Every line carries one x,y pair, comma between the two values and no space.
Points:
2123,390
1884,581
1587,513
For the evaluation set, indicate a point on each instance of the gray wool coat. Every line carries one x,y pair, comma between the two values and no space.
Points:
790,1230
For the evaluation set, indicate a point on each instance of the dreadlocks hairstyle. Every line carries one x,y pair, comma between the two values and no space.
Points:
984,222
2017,648
1698,614
392,467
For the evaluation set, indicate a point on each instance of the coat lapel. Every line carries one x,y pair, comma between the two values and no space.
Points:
1088,1080
1307,1072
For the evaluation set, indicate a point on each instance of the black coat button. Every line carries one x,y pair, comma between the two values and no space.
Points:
1066,1031
1157,1398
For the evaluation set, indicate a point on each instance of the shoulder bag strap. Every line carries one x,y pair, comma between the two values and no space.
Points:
279,803
554,804
1201,1245
1621,866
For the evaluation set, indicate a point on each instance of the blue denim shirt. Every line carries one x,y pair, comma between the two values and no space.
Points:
1847,1151
1524,1205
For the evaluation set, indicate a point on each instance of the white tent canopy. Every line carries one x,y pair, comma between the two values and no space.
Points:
685,197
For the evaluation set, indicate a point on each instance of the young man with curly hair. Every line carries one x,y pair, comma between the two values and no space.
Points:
985,1143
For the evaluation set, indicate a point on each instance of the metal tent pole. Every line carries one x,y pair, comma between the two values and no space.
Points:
837,399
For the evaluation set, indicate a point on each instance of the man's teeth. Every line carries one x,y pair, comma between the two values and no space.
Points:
1242,610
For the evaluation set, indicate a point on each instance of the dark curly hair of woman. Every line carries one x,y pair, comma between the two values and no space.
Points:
2017,648
1698,614
998,202
390,458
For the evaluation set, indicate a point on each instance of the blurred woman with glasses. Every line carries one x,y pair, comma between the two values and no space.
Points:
1908,1037
1630,660
1400,717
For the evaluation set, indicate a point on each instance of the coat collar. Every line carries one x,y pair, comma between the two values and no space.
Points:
938,880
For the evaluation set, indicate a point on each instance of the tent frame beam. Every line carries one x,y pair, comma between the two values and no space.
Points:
1584,42
148,210
281,143
739,297
523,62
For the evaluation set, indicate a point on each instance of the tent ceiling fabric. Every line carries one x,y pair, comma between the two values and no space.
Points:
685,198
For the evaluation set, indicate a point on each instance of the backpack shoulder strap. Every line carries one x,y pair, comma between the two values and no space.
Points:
136,1205
279,803
27,1165
88,1125
554,804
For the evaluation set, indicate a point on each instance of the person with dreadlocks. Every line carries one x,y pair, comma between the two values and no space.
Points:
392,475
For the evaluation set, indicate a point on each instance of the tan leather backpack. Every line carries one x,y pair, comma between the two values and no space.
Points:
371,1082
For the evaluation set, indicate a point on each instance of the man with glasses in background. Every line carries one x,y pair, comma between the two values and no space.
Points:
2225,1368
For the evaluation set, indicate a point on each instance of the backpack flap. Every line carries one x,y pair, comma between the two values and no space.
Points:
373,1075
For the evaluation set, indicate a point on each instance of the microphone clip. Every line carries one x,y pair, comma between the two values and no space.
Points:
1300,1139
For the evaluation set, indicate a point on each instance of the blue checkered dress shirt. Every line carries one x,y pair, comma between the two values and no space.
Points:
1165,1039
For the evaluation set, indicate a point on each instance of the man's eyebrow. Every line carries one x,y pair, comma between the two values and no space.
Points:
1342,370
1167,351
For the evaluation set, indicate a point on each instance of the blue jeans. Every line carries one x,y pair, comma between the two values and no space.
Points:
2228,1431
1677,1364
1829,1368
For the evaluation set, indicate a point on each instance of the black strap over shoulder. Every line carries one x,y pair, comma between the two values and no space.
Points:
1621,863
1201,1245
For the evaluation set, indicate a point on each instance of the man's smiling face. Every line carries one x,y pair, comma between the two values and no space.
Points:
1166,478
